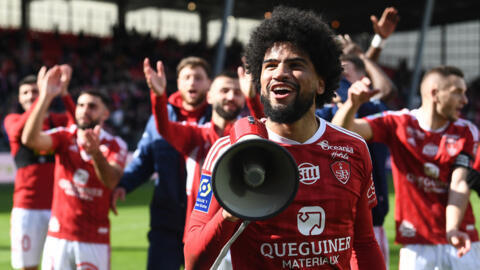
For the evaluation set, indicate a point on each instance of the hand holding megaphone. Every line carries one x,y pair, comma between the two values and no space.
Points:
226,215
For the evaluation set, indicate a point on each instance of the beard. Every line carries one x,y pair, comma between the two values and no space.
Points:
287,114
194,101
229,116
89,125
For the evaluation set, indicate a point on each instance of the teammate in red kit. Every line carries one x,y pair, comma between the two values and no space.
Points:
88,164
432,150
32,196
294,59
227,102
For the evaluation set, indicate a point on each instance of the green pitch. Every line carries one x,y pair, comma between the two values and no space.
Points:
129,229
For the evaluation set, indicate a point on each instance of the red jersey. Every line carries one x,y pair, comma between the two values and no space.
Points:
33,188
329,218
81,201
422,163
190,139
476,165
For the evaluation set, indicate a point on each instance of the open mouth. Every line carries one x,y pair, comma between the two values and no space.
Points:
281,91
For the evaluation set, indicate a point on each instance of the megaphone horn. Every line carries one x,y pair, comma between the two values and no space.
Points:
255,178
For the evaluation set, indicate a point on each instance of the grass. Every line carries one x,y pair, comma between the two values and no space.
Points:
129,229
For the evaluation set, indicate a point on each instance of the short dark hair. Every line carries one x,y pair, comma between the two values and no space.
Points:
355,60
103,96
307,32
194,61
445,71
228,74
29,79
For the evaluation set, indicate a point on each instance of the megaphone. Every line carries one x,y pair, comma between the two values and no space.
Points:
255,179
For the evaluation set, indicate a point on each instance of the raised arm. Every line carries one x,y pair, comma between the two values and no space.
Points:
251,95
67,99
383,28
191,135
358,94
50,84
379,80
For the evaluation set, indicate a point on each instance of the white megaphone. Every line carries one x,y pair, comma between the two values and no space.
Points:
254,179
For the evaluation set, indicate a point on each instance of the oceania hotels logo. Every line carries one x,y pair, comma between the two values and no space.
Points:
309,173
326,146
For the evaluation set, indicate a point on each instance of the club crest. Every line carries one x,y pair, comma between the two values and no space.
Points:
341,171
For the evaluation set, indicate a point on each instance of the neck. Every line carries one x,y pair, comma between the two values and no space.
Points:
300,130
430,118
80,134
190,107
220,123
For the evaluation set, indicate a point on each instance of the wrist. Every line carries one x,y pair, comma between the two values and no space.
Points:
45,97
378,42
351,105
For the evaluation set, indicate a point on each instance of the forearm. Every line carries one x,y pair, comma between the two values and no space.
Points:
33,125
255,106
159,110
373,53
171,131
69,107
457,199
379,79
108,174
204,241
345,116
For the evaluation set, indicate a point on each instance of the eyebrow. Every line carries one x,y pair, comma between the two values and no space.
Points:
296,59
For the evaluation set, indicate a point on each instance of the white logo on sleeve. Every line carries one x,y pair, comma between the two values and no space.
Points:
311,220
80,177
309,174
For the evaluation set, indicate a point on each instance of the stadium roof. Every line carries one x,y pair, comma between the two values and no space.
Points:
352,15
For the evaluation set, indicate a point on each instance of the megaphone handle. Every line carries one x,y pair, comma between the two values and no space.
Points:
225,248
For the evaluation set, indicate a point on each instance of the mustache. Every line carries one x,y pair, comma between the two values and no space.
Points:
230,103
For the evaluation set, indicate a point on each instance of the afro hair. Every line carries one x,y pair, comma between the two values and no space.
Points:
307,32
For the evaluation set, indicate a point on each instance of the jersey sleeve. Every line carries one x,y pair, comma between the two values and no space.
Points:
381,125
182,136
14,124
59,137
476,164
69,109
207,231
471,145
141,167
366,252
116,152
255,106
